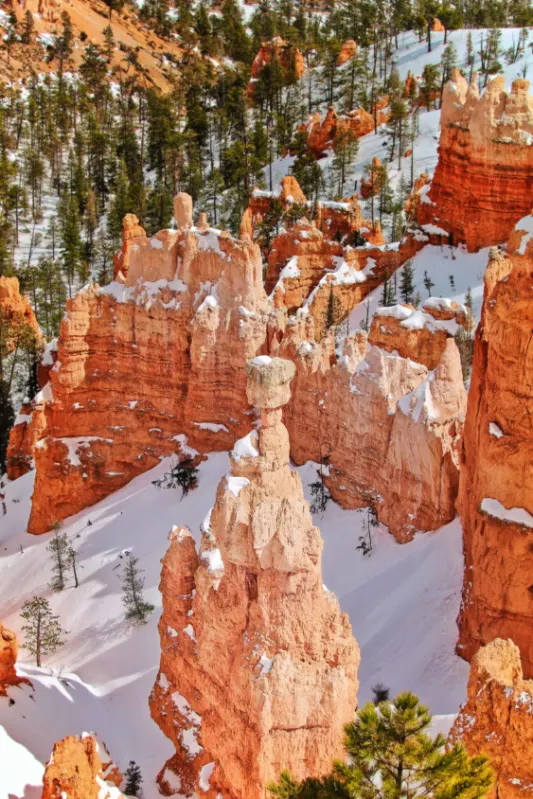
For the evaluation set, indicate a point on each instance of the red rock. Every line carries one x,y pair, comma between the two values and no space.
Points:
15,309
484,156
287,55
496,488
348,51
284,680
191,312
409,400
131,230
8,659
496,718
321,135
437,26
81,768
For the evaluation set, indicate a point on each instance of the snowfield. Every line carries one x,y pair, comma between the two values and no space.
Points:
402,602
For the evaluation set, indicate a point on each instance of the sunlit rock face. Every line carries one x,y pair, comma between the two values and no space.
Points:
496,489
284,678
81,768
497,718
483,183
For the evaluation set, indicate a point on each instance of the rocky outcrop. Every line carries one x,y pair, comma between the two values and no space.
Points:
322,134
284,678
496,490
483,183
497,718
184,319
404,386
286,54
81,768
348,51
16,313
8,659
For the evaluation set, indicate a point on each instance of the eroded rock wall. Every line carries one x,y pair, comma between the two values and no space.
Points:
497,718
496,489
284,678
483,183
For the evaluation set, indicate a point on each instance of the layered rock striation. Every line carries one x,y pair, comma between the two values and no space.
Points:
484,178
81,768
497,718
284,678
496,489
403,385
153,359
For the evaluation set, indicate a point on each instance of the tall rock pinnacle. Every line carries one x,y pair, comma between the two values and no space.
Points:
258,664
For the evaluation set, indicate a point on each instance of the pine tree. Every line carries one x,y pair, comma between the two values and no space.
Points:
28,28
133,779
428,283
183,474
380,692
109,40
391,756
43,634
469,302
137,610
72,557
58,547
407,285
7,417
370,521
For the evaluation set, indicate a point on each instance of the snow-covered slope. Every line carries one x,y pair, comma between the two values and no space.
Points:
402,602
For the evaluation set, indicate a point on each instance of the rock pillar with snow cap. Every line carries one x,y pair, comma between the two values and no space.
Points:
268,383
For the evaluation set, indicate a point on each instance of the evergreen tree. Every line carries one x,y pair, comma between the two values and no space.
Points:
28,28
133,779
137,610
183,474
428,283
391,756
370,521
69,219
7,417
407,285
380,692
109,40
59,549
43,634
468,300
72,557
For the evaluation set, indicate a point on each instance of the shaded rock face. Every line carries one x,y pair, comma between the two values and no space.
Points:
496,490
484,156
81,768
287,55
143,364
402,454
8,659
497,718
284,678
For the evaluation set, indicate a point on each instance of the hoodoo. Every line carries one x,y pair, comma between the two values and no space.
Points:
496,487
483,183
81,768
284,679
496,718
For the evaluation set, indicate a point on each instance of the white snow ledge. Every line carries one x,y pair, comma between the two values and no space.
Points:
513,515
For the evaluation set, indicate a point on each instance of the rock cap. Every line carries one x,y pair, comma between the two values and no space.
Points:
268,381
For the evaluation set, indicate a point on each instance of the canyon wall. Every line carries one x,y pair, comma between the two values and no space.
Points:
386,415
143,365
497,718
81,768
496,487
483,183
284,678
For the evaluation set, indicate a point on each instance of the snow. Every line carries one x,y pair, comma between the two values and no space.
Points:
205,776
513,515
212,427
266,664
291,268
75,443
246,447
261,360
102,677
494,430
525,225
213,559
236,484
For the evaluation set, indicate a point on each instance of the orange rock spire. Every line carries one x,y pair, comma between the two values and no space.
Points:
81,768
284,678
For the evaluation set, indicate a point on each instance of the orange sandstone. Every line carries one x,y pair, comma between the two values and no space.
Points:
284,678
81,768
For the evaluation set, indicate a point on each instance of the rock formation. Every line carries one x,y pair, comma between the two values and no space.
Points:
184,317
496,718
483,183
496,490
348,51
81,768
284,678
16,313
404,386
322,134
286,54
8,659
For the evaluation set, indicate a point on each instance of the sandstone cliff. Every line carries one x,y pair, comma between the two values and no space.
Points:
284,677
484,178
496,490
186,312
404,386
81,768
497,718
